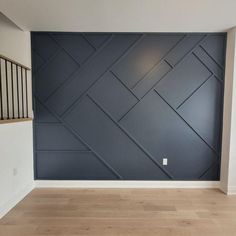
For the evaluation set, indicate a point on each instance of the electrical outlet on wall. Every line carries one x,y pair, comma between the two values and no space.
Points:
165,162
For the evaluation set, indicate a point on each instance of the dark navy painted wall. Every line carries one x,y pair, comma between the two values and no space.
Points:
112,106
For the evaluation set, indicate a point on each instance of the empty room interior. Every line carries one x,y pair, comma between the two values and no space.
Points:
117,117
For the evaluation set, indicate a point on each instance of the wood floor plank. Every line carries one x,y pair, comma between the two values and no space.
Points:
161,212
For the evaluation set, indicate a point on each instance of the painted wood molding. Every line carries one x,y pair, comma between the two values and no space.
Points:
14,62
7,121
124,184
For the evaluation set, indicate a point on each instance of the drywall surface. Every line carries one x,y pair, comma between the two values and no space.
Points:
16,163
16,139
15,43
232,157
228,164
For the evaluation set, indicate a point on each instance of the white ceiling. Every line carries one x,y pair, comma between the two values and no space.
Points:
122,15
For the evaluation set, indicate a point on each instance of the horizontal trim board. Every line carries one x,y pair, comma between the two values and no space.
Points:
124,184
14,62
7,121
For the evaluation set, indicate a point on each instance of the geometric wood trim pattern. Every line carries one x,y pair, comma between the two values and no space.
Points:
111,106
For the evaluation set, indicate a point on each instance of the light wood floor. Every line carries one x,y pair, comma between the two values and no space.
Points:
110,212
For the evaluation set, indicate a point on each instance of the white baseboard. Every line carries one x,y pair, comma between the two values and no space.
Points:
124,184
15,199
223,189
228,190
231,190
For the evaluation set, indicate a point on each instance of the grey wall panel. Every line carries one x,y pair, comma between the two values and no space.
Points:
90,72
76,45
143,57
183,80
96,40
214,45
114,96
111,143
38,61
44,45
184,47
71,165
206,115
147,83
212,173
56,137
53,74
113,105
209,62
168,138
42,114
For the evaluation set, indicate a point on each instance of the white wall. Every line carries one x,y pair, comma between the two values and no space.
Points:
16,139
15,43
16,163
228,163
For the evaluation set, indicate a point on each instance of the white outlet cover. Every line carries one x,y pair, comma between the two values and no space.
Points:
165,161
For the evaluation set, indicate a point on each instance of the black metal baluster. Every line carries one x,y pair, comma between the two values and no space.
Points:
12,90
7,89
17,88
1,96
22,93
26,94
7,110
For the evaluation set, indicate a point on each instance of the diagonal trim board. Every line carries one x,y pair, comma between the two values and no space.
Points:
122,95
88,146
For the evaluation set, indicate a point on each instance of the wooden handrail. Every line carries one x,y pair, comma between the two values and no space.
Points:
7,121
14,62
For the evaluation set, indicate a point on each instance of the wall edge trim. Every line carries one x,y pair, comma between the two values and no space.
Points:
231,190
